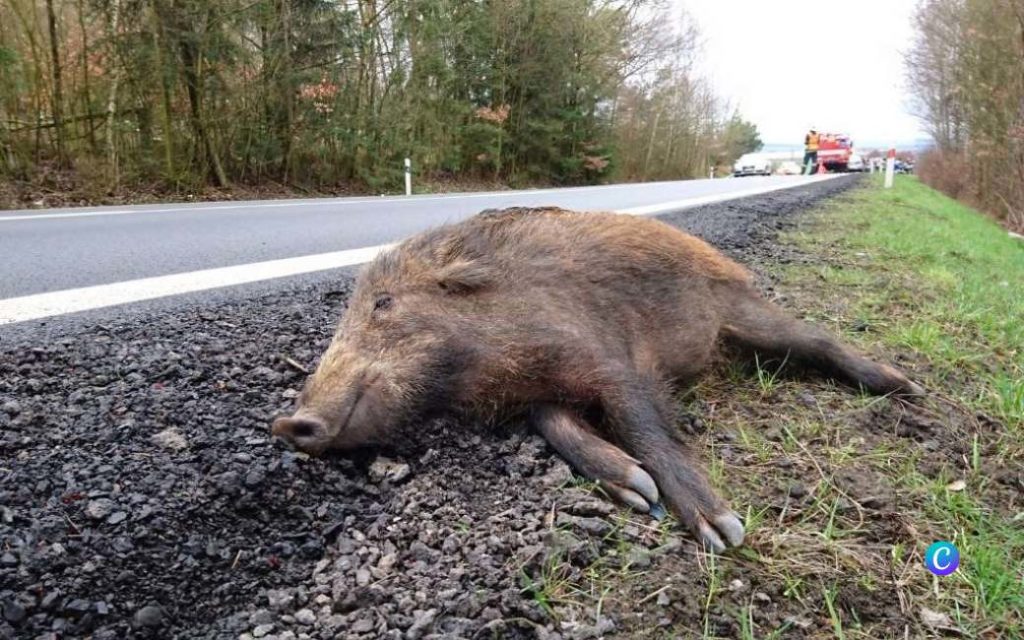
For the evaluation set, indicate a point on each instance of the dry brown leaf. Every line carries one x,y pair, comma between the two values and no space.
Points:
957,485
935,619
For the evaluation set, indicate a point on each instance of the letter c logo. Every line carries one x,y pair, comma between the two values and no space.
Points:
942,558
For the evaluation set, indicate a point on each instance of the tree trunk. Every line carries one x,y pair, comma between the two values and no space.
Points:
115,79
285,91
37,75
650,143
189,59
58,92
86,90
165,94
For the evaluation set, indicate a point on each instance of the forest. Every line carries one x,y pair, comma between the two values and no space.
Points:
104,97
966,69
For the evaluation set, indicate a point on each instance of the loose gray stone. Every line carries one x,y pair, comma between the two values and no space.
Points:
171,439
100,508
423,621
13,612
390,470
280,599
305,617
149,616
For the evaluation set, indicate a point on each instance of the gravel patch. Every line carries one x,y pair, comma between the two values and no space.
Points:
141,495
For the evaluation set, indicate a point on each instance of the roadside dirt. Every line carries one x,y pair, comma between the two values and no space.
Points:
140,495
64,188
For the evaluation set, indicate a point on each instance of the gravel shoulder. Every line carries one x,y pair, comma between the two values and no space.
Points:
141,495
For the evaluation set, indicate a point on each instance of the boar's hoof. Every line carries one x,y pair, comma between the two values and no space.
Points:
639,491
893,381
913,389
727,525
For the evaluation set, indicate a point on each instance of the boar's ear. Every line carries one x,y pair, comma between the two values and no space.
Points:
464,276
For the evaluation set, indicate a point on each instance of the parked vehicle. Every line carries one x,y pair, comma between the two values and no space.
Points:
834,151
856,163
903,166
752,164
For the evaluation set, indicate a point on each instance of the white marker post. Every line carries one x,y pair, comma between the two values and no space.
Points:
890,168
408,177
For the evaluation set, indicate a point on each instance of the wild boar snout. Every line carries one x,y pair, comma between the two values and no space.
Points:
305,432
404,342
344,406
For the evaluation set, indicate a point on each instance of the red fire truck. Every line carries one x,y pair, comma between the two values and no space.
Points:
834,151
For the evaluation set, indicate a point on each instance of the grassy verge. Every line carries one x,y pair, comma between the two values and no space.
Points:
843,492
913,276
940,284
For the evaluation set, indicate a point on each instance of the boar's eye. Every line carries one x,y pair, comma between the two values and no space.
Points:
383,302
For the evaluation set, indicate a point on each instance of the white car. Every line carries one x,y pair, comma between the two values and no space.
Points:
856,163
752,164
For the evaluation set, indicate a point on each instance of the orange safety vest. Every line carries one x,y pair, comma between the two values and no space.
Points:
811,141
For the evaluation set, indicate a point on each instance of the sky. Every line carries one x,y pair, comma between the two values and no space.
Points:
788,65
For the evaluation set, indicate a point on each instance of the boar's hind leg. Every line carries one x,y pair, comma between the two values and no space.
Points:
640,418
761,326
619,474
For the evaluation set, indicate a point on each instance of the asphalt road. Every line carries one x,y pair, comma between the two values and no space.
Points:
68,254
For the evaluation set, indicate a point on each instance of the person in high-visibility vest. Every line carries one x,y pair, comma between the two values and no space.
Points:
811,141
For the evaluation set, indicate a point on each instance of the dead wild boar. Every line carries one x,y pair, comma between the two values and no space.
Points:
579,322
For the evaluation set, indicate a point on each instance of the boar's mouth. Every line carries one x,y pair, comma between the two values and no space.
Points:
360,393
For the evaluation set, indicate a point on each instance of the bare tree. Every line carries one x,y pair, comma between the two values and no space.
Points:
966,69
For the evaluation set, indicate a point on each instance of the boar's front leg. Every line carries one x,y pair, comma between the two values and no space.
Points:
639,415
619,474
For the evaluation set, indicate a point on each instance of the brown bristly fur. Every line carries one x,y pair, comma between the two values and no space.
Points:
580,321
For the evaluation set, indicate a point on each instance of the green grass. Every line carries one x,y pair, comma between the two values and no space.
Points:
945,284
967,313
768,375
830,604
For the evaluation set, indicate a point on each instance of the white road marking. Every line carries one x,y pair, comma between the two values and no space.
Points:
55,303
44,305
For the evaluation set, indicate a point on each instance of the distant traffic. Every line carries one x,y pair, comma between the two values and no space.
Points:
832,153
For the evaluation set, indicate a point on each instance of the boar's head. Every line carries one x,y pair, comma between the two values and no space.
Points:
400,350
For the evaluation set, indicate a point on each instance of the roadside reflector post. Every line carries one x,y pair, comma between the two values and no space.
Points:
712,176
890,168
408,177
